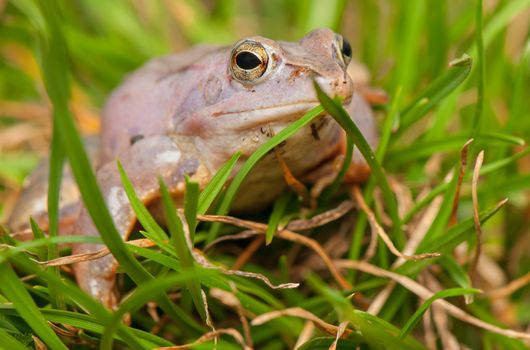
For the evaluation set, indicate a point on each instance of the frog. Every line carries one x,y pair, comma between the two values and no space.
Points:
185,114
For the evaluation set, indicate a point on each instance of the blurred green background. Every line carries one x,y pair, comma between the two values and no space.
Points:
406,44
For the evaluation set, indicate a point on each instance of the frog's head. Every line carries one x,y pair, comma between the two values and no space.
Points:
272,81
267,84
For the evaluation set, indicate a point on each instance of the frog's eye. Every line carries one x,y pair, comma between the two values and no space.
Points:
345,49
249,61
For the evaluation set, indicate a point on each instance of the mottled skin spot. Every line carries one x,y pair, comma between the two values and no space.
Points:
212,90
136,138
186,114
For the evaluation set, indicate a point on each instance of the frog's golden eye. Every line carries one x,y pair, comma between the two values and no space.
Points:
345,49
249,61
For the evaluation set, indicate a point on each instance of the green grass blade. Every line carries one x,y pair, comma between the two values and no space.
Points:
335,109
10,342
175,227
412,22
254,158
441,188
414,319
153,230
82,321
324,343
58,89
72,292
326,14
37,235
457,274
501,19
422,149
143,294
215,186
155,256
446,242
386,133
158,235
346,163
276,215
437,91
515,183
373,330
440,222
148,340
218,281
481,71
436,23
57,86
501,163
143,215
163,245
179,240
44,242
191,201
495,26
57,159
419,205
391,121
456,234
13,288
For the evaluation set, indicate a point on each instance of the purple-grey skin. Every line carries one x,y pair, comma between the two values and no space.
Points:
188,113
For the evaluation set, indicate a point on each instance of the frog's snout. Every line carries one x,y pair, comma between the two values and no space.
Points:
338,86
331,54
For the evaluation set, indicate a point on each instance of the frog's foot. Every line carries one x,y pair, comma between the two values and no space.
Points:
294,184
361,76
98,278
357,173
374,96
147,159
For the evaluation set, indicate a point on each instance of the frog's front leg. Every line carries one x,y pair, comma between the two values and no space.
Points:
147,159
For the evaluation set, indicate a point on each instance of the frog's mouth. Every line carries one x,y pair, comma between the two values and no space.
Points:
251,118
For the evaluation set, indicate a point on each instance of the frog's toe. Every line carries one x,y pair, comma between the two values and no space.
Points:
98,278
358,172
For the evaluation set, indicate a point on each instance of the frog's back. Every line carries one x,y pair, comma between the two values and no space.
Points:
135,110
146,101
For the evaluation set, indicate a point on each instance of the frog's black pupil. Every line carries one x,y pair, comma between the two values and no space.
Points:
346,48
247,60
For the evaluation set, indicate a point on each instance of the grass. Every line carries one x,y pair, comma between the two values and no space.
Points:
452,71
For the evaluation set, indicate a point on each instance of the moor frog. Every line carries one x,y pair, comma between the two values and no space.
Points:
188,113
